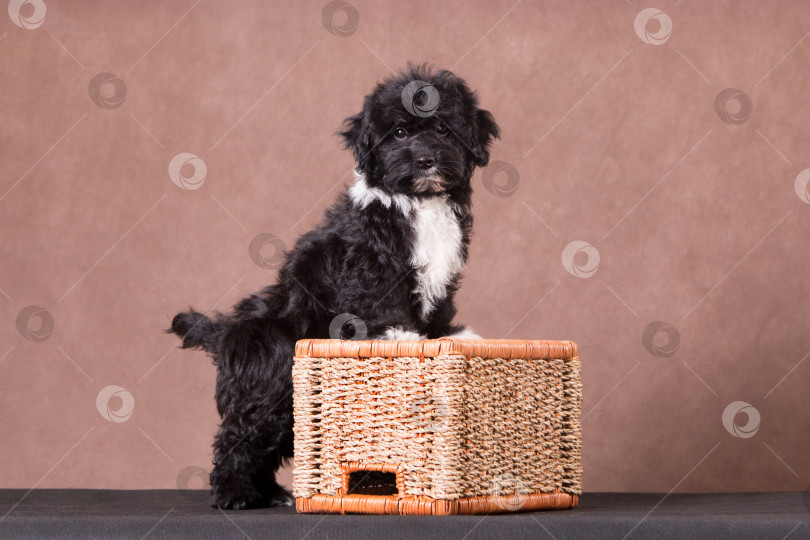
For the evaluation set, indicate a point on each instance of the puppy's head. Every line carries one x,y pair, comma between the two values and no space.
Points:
420,133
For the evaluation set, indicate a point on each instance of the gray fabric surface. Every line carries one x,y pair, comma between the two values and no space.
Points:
49,513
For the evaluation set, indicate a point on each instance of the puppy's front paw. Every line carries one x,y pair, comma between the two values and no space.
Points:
397,333
466,333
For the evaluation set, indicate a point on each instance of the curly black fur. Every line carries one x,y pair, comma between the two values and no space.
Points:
358,260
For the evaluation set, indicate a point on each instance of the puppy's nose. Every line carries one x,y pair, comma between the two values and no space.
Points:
425,161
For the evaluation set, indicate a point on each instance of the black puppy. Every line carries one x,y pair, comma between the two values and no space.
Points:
387,257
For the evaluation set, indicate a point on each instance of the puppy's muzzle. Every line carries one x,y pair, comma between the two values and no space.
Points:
425,161
429,182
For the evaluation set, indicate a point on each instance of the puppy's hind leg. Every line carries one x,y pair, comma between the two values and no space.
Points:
266,483
246,459
254,397
235,465
275,416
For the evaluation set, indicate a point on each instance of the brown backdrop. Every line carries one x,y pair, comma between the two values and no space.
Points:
687,290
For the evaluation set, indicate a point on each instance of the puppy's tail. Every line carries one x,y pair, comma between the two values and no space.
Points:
197,330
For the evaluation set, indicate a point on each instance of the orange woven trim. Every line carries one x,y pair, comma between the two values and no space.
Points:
472,348
427,506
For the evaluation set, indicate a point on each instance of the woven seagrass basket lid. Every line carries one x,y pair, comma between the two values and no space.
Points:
472,348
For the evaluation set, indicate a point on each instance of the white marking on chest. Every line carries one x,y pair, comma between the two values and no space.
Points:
362,195
436,255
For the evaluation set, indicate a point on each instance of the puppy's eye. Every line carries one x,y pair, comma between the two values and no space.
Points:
441,128
400,133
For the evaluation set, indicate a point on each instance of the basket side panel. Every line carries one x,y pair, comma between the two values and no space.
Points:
487,460
443,424
307,415
521,425
391,410
571,437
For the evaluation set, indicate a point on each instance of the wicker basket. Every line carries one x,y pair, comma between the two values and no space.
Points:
445,426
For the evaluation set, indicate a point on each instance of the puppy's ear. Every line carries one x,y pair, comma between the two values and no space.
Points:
356,134
484,130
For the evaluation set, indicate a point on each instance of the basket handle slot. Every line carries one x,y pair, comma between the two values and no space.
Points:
371,479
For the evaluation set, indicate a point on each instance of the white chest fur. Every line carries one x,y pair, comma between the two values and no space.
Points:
437,254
